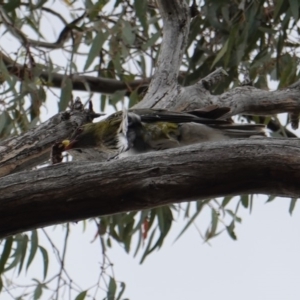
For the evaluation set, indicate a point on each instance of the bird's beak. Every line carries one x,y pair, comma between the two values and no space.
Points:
67,144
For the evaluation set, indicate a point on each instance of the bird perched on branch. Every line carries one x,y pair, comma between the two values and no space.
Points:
153,129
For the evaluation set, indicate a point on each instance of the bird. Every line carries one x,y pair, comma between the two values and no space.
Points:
144,130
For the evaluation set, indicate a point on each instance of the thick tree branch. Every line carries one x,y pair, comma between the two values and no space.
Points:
244,99
75,191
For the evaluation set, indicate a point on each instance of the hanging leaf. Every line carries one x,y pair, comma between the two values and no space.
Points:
45,260
141,10
5,253
112,287
245,200
294,7
38,292
220,54
96,47
66,94
81,296
23,251
33,247
127,33
122,290
230,230
292,205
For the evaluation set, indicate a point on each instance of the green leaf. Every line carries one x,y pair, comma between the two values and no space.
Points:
16,257
117,61
112,287
194,30
110,73
141,9
96,47
271,198
38,292
127,234
245,200
214,222
230,230
127,33
133,98
294,7
66,94
40,3
292,205
200,205
226,200
146,252
45,260
221,53
150,42
278,8
165,219
233,215
23,251
232,40
33,247
5,253
116,97
122,290
81,295
5,75
142,65
11,5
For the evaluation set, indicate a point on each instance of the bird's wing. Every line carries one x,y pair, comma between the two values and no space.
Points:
198,116
210,112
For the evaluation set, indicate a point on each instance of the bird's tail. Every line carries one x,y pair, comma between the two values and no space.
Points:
241,130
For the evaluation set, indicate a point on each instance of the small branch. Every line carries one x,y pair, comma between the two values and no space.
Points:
24,40
62,266
33,147
212,78
96,84
76,191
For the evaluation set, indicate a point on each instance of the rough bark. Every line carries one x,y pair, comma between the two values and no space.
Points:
74,191
33,147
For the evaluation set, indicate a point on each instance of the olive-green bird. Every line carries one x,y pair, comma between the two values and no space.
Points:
144,130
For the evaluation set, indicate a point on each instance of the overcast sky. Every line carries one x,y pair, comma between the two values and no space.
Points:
263,264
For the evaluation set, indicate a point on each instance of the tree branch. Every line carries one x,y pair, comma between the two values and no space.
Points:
244,99
33,147
96,84
75,191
